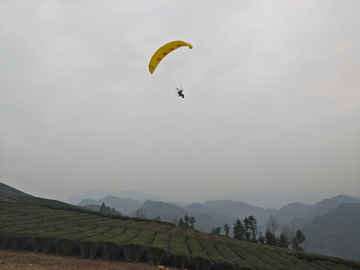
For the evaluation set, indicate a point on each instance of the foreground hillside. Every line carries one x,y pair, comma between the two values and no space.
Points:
64,232
28,224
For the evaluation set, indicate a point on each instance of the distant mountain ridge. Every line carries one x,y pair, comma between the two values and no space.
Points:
264,199
125,206
320,208
288,212
98,194
271,198
336,233
215,213
166,211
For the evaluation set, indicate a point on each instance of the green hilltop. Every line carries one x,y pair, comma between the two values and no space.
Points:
43,225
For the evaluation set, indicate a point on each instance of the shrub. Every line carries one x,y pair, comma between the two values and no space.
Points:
89,247
290,256
69,244
268,251
64,243
198,256
152,226
158,249
48,238
13,220
127,223
239,249
37,240
219,261
175,230
18,242
223,248
112,248
189,233
271,263
17,239
4,243
179,252
134,249
163,228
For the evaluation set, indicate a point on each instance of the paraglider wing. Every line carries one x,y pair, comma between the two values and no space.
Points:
164,51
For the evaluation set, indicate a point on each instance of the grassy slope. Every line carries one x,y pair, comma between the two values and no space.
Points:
5,189
45,225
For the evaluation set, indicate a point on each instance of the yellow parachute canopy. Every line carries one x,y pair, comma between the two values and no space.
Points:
165,50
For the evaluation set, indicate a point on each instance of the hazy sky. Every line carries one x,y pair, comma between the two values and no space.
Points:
272,96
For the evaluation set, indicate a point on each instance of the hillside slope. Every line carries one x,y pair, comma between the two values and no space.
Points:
336,233
5,189
320,208
69,230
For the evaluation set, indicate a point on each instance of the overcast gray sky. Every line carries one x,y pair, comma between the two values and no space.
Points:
272,96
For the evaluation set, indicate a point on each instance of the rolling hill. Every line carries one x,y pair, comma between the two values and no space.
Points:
337,233
49,226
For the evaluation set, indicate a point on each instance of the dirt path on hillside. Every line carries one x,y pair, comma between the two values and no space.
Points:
30,260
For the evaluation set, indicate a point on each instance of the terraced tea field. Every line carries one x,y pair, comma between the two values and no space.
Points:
65,231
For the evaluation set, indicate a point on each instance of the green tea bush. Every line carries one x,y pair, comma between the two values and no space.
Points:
140,225
134,249
18,241
179,253
222,246
20,221
335,263
4,242
261,256
290,255
219,261
321,265
138,219
198,256
151,226
17,236
158,249
163,228
104,221
112,248
64,244
68,244
48,239
16,217
127,223
268,251
175,230
187,233
249,258
90,246
21,239
83,217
